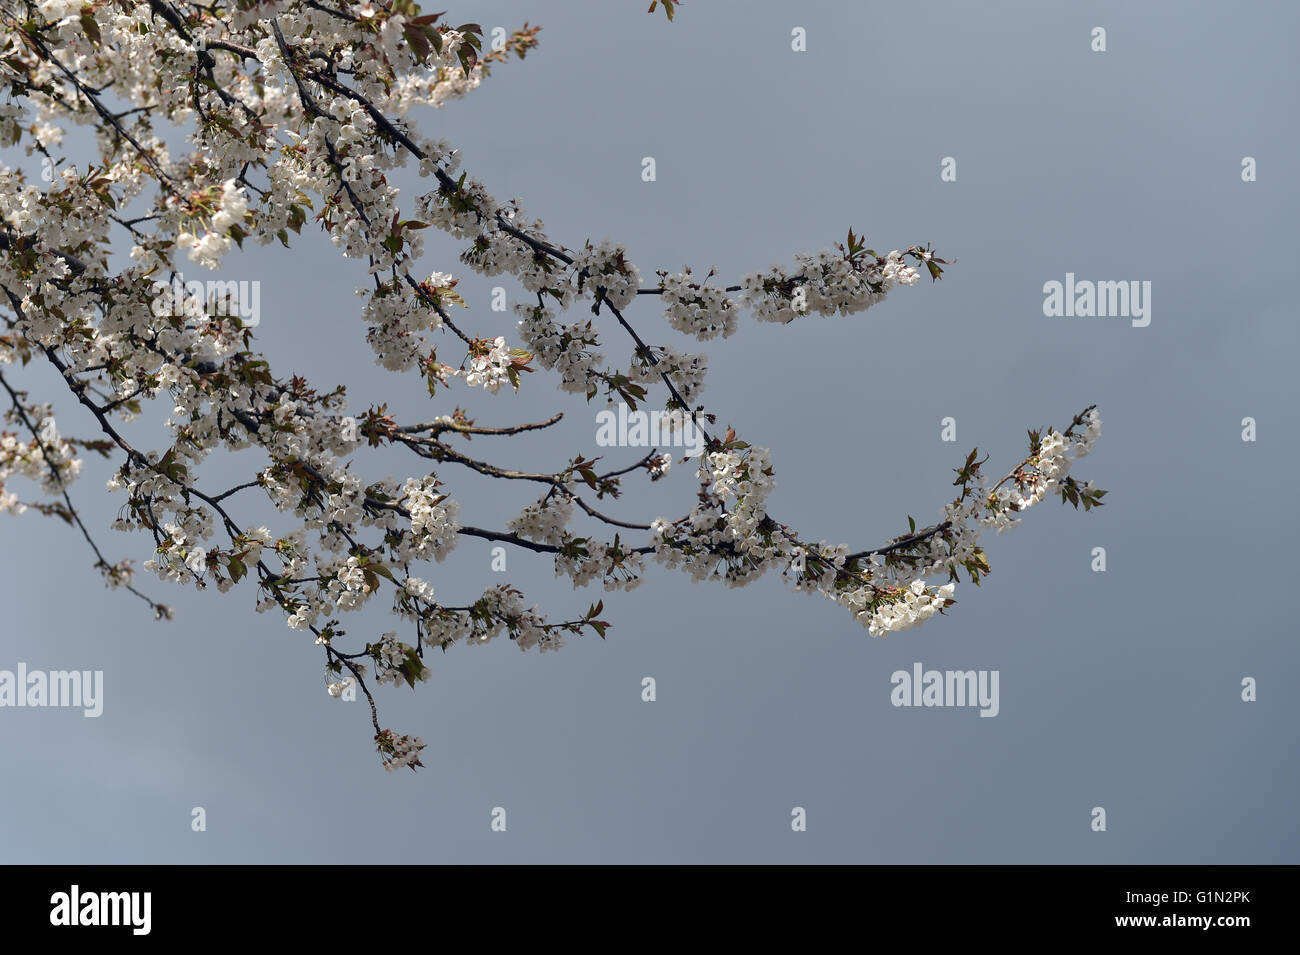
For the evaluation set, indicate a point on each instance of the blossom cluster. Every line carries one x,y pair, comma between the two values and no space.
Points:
47,458
696,308
605,270
544,521
229,209
826,282
295,113
434,520
490,368
687,372
396,661
917,604
567,349
398,750
1050,469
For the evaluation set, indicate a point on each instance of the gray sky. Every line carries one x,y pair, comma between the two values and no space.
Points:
1118,689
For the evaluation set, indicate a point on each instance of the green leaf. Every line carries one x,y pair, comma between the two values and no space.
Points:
90,27
419,42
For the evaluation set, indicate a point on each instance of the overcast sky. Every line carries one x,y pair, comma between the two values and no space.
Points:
1120,689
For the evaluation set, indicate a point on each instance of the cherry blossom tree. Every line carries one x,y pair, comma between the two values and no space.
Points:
296,114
